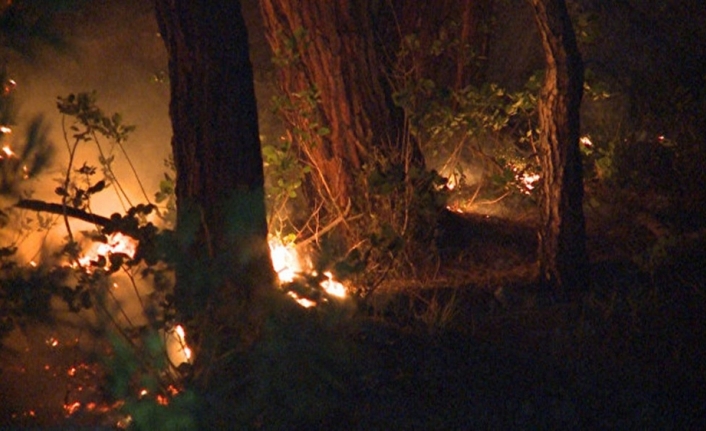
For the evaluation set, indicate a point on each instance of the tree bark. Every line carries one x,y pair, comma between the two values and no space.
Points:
221,223
328,48
562,246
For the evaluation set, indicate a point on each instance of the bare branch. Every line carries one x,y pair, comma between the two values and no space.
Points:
37,205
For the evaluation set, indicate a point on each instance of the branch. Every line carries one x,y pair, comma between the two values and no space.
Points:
36,205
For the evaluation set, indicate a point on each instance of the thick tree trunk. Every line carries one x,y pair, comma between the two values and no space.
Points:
327,48
562,246
221,223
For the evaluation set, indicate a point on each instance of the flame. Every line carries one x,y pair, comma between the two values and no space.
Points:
70,409
527,179
287,264
333,287
177,349
116,243
586,141
304,302
8,151
285,260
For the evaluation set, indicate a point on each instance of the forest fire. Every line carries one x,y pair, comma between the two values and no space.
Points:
285,260
288,265
177,349
116,243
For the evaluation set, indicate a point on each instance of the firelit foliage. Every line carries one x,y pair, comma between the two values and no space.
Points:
284,176
85,282
482,125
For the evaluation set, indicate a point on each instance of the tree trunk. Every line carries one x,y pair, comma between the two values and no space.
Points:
221,223
341,114
562,247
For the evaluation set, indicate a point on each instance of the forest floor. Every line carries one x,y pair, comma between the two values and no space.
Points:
479,348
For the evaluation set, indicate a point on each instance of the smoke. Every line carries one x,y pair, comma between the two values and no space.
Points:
114,48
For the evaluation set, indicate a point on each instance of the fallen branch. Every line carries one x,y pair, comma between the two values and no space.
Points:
59,209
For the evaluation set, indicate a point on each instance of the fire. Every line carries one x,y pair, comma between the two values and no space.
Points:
70,409
304,302
116,243
285,260
586,141
288,265
333,287
527,179
8,151
177,349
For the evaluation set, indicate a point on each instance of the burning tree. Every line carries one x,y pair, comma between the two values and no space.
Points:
367,174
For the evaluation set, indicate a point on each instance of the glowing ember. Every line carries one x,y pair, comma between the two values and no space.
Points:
70,409
52,342
5,130
304,302
8,151
586,141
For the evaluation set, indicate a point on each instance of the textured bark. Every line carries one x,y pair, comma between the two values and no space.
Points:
338,57
562,246
221,224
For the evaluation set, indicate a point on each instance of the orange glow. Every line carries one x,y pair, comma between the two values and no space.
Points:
8,151
306,303
116,243
177,349
285,260
333,287
288,264
70,409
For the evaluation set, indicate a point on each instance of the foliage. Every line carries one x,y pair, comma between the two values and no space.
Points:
284,176
85,282
393,205
478,127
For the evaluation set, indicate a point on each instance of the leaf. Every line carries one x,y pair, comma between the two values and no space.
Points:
97,187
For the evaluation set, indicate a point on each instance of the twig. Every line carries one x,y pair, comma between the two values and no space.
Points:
321,232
